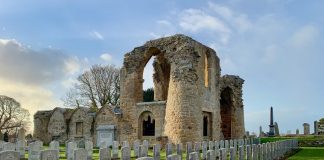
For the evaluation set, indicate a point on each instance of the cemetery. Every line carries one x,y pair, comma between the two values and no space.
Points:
187,81
250,149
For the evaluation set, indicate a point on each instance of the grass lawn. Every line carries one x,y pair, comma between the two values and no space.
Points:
312,153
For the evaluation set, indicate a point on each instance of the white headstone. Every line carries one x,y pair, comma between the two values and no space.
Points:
34,150
9,155
80,154
104,154
71,147
49,155
89,148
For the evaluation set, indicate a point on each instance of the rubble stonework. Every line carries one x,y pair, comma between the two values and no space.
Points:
192,101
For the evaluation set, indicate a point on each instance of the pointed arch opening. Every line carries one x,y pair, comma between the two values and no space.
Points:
146,124
156,76
226,109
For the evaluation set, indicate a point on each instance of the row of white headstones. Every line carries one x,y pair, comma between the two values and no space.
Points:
224,149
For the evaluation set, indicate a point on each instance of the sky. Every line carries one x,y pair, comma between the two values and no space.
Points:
274,45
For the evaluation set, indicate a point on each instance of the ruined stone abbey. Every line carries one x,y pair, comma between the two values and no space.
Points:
192,101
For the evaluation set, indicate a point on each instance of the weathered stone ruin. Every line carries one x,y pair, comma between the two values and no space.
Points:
192,101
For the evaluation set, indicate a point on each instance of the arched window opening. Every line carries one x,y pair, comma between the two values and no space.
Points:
226,105
148,127
148,91
205,127
206,71
156,76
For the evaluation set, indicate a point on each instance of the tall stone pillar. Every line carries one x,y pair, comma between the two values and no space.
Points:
306,129
183,116
315,128
271,126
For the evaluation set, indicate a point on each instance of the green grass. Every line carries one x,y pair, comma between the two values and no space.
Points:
95,155
313,153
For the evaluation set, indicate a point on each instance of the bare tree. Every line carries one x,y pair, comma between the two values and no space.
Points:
12,116
96,87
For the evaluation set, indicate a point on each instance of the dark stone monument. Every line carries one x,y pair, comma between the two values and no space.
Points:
6,136
271,126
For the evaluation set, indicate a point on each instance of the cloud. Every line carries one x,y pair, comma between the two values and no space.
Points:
238,21
96,35
304,36
33,76
22,64
106,57
195,20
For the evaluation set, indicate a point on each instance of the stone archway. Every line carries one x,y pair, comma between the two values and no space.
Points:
146,124
226,109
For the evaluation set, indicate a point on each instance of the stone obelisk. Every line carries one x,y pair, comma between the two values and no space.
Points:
271,126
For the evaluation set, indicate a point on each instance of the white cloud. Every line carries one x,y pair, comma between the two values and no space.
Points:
72,65
304,36
22,64
106,57
237,20
195,20
270,53
33,76
96,35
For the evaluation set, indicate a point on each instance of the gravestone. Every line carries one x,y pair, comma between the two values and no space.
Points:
179,150
168,149
8,146
173,157
211,155
146,144
211,145
143,150
197,147
156,151
126,153
80,154
188,149
115,148
55,145
241,153
125,144
221,144
248,152
49,155
231,143
89,148
223,153
9,155
20,147
71,147
204,149
232,153
136,148
104,154
1,144
193,156
226,144
105,133
216,144
34,151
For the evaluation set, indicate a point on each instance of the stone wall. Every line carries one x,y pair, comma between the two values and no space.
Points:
57,126
188,86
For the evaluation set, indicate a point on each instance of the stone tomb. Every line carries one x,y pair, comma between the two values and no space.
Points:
105,133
